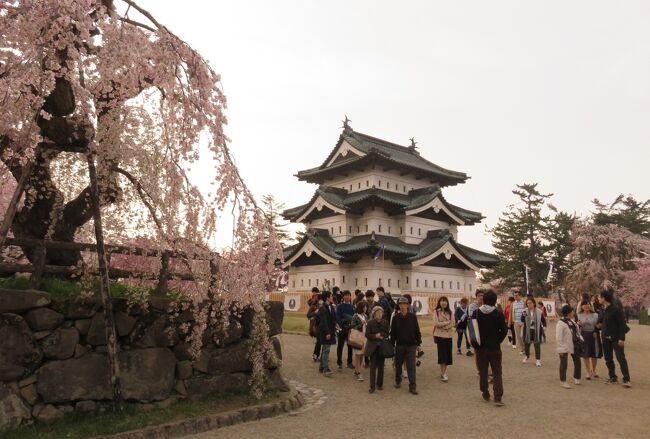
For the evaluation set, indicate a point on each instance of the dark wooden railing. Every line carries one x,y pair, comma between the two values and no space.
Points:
38,267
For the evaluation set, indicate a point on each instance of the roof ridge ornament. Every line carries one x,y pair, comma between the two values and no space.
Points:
346,124
412,146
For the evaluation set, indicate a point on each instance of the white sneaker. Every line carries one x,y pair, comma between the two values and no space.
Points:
514,346
525,360
538,363
445,378
576,382
359,377
565,385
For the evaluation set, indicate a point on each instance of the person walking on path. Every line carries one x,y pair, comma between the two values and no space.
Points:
312,314
542,308
406,336
614,330
359,322
588,321
326,330
461,315
510,322
443,329
344,313
493,330
517,311
534,322
376,332
566,335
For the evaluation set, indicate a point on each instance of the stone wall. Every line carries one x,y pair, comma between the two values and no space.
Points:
53,356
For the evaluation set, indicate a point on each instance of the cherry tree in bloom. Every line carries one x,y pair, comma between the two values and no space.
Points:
602,258
637,282
78,79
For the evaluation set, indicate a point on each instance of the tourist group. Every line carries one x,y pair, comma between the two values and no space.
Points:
373,327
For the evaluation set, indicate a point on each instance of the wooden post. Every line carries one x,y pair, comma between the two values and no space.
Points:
39,265
104,290
13,204
163,279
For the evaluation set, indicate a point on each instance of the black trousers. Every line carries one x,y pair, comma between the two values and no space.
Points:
538,347
376,369
342,339
459,342
513,336
564,364
611,348
405,354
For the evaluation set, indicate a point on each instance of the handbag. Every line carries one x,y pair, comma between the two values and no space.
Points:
578,342
473,333
356,339
386,349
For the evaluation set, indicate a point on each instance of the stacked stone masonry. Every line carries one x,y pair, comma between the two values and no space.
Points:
53,356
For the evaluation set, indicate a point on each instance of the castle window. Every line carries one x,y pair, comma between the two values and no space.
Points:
367,183
451,285
396,187
350,187
434,283
357,229
426,283
388,283
389,230
400,230
379,183
356,281
366,228
380,281
359,185
350,230
293,284
470,287
404,188
333,282
458,285
419,232
397,283
339,230
407,280
411,230
417,283
365,280
442,284
379,228
342,279
302,282
316,282
309,280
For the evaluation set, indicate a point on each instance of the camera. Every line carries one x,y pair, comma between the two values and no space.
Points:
418,356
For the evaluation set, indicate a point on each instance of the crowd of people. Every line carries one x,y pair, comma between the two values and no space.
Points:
372,327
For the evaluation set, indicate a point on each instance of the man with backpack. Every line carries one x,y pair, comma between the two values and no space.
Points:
344,313
492,330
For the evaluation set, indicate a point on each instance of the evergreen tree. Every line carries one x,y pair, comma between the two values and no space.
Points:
520,241
625,212
273,211
559,237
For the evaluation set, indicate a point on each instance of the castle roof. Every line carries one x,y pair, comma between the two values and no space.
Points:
369,151
439,248
428,201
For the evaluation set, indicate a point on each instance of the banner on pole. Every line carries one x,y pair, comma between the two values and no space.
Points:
550,308
420,305
292,302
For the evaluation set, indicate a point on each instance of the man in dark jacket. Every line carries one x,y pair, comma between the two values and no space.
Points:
344,313
384,303
461,315
326,331
613,332
405,335
493,330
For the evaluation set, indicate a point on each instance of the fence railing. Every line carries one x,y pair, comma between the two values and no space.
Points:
38,267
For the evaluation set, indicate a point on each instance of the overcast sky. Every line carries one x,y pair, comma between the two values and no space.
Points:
555,92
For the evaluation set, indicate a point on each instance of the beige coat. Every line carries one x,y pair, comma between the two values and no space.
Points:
443,324
563,338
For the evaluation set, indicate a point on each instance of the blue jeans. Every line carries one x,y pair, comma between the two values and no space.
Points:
325,357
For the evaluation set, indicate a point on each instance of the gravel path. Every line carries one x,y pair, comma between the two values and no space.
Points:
536,406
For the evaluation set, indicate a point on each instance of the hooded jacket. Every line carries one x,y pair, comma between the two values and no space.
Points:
492,327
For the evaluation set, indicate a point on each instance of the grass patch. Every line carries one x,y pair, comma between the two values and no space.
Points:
297,322
82,425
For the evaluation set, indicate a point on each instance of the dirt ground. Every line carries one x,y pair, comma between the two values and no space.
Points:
536,406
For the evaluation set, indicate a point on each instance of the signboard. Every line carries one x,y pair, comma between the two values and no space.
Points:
550,308
292,302
420,305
